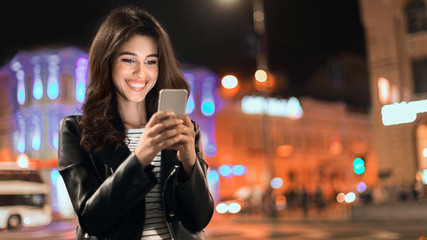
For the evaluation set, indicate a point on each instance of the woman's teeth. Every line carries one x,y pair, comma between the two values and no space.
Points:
137,85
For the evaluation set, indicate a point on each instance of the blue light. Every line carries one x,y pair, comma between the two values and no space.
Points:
225,170
52,91
276,183
190,106
54,176
21,96
36,143
55,142
208,108
210,150
424,176
80,92
21,146
38,91
212,176
239,170
358,166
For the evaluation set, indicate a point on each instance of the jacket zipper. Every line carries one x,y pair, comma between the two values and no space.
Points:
163,199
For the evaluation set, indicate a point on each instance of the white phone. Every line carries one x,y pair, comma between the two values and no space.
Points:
174,100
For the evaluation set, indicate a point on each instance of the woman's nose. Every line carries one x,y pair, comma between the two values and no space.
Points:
140,71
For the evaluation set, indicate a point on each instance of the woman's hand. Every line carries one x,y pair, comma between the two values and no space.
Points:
162,131
185,147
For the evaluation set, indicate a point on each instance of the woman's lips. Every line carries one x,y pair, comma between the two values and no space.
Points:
135,85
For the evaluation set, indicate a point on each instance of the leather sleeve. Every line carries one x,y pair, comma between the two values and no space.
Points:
195,204
100,206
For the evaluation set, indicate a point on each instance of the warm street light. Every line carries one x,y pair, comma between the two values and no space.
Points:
229,82
261,75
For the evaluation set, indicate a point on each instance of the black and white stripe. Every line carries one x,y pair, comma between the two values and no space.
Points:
155,227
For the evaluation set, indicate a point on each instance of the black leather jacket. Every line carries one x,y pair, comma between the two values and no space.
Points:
107,189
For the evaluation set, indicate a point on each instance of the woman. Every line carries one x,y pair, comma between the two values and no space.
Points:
132,172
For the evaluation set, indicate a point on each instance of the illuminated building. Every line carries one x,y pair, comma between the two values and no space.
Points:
311,143
38,89
396,40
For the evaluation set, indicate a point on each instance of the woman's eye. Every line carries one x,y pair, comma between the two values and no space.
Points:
151,62
128,60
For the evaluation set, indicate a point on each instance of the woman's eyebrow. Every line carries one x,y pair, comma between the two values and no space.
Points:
128,53
134,54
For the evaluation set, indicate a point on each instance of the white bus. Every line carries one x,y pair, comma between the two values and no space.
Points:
23,198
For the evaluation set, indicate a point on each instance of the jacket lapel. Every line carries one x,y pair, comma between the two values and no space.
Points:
112,158
169,160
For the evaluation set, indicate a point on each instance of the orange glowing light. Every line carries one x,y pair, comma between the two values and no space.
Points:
384,90
284,150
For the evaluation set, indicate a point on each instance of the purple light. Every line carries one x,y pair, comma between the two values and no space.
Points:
80,75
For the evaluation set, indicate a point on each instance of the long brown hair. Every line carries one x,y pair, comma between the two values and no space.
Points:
101,124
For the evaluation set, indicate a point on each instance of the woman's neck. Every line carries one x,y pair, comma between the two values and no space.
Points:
133,115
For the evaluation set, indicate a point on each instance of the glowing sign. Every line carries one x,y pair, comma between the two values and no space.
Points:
403,112
272,106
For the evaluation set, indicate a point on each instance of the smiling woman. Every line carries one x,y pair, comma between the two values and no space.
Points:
133,172
135,71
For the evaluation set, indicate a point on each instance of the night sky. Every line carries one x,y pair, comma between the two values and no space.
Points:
302,34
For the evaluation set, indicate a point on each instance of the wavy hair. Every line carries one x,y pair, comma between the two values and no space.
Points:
101,124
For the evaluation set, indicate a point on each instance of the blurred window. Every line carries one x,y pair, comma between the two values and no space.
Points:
336,75
19,175
34,200
419,68
416,16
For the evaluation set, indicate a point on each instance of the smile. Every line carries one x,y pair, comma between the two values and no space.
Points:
135,85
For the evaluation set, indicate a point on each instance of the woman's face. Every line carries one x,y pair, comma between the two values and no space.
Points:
135,69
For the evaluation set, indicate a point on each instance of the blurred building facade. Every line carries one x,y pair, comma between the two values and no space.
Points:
396,42
316,149
38,88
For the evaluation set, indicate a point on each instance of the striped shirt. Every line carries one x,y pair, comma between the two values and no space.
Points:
155,227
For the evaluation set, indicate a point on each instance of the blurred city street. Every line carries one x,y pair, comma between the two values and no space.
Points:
334,224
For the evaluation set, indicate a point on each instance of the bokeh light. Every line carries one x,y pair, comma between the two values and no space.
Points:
340,197
261,75
229,82
212,176
424,176
23,161
36,142
221,208
208,108
38,91
234,207
276,183
358,166
361,187
225,170
239,170
350,197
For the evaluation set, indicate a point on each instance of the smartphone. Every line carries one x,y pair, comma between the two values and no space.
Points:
174,100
